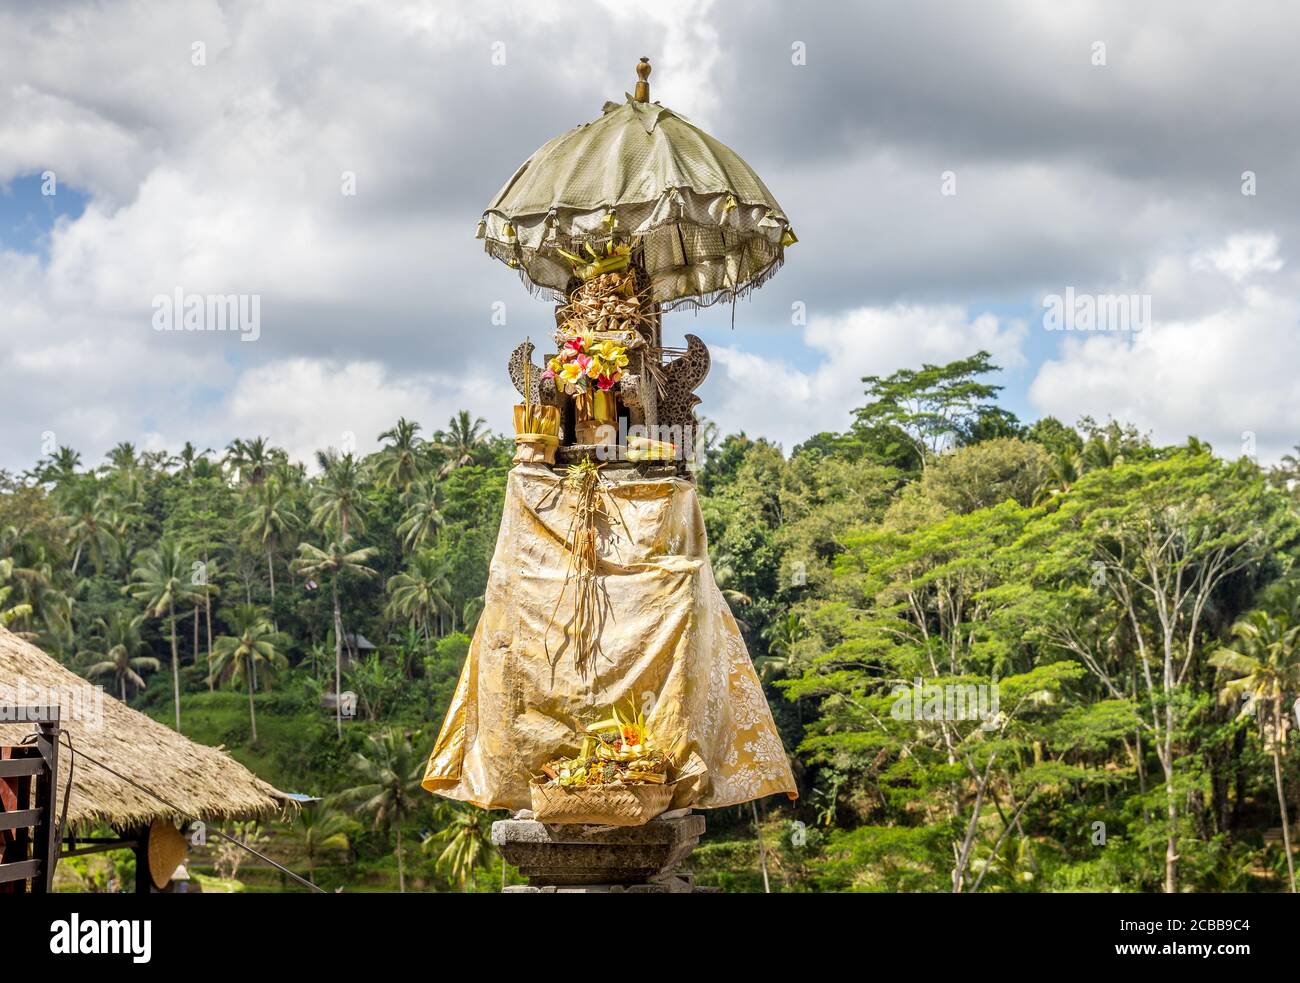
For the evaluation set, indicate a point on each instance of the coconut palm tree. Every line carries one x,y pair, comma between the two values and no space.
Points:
339,501
12,613
252,459
254,643
782,636
127,471
390,771
319,830
400,462
464,844
462,441
189,459
1264,666
58,468
269,517
90,518
161,579
1064,468
119,641
206,589
423,516
333,562
421,593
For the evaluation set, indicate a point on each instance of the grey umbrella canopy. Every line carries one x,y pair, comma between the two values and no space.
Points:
701,223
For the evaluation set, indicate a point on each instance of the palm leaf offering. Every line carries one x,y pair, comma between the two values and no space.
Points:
583,482
615,751
535,419
612,301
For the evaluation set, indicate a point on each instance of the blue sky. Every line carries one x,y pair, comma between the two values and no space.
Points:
27,217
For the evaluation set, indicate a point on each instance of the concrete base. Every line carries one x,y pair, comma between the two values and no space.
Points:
599,859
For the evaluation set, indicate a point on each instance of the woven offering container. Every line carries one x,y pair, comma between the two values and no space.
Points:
599,805
535,448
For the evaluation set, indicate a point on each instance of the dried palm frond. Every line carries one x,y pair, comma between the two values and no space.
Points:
583,482
608,302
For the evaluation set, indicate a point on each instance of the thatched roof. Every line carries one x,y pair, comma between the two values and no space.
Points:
201,781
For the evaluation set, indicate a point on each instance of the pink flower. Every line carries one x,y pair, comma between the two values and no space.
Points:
584,361
548,374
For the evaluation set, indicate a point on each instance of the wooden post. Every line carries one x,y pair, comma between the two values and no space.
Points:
143,882
45,844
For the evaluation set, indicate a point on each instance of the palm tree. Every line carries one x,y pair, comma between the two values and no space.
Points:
1064,468
422,517
421,593
123,457
252,459
206,588
189,457
267,520
400,462
320,830
162,580
1264,667
461,441
90,526
12,613
471,611
339,500
334,561
125,468
254,642
465,843
116,657
390,772
782,636
1105,449
724,572
58,468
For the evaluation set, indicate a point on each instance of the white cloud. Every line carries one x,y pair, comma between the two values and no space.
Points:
304,404
769,397
1225,373
1241,256
225,178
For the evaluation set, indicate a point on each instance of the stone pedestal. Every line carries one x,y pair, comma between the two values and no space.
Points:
599,859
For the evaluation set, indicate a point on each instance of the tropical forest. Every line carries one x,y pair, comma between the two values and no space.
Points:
1002,655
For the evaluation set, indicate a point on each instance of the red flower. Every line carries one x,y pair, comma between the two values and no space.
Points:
576,343
605,382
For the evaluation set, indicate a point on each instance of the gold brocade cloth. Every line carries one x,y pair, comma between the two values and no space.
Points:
668,642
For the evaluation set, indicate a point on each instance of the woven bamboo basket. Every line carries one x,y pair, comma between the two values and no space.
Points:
600,805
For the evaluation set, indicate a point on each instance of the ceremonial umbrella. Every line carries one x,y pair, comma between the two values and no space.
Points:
700,223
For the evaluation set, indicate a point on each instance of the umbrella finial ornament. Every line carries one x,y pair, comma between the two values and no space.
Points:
642,91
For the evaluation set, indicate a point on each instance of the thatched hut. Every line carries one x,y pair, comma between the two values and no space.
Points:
200,782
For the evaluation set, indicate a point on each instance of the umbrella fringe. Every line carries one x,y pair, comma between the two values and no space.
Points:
694,303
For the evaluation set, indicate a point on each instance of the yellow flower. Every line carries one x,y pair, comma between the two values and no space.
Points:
613,354
555,365
571,372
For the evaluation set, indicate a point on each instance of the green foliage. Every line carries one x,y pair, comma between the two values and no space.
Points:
1006,658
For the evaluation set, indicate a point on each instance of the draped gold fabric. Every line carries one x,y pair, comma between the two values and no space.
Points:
668,642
